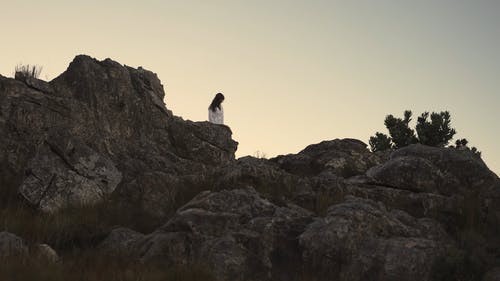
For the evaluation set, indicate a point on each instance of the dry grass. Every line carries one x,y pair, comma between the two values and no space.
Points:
73,227
27,70
74,233
92,266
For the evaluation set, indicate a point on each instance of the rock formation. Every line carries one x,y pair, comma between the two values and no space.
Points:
100,133
97,127
241,235
13,246
360,238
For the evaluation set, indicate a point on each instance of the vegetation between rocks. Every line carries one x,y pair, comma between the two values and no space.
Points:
92,266
432,129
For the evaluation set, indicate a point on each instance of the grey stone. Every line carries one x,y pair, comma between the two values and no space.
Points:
65,172
236,233
342,157
120,241
45,252
12,246
362,240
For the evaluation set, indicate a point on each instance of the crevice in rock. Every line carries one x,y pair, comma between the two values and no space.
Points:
46,190
63,158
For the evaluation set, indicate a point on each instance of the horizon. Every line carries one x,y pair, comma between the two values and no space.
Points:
294,73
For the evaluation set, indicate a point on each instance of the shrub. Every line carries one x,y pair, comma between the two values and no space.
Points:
437,132
402,135
433,131
380,142
461,143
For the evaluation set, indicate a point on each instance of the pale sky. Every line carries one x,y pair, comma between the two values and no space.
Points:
293,72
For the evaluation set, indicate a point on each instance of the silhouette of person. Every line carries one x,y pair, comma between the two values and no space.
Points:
215,110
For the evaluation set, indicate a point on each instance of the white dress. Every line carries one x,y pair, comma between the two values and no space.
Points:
217,116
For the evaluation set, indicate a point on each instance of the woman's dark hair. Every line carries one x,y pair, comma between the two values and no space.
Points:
216,101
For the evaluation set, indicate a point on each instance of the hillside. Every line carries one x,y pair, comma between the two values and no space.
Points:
97,174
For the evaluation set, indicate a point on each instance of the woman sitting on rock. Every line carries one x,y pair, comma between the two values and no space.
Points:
215,110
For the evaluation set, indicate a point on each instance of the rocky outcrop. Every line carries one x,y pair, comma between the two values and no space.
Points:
435,170
414,174
342,157
361,239
118,124
100,132
263,175
66,172
451,185
234,232
202,141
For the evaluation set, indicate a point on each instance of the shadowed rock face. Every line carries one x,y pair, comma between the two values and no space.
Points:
431,169
238,234
360,239
454,186
117,124
65,172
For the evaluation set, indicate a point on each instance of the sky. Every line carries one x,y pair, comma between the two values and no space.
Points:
293,72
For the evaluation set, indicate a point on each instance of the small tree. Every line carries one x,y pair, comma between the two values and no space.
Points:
380,142
402,135
437,131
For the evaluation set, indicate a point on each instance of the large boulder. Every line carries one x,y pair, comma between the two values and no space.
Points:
202,141
12,245
452,185
444,171
361,240
45,253
236,233
467,167
342,157
66,172
414,174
